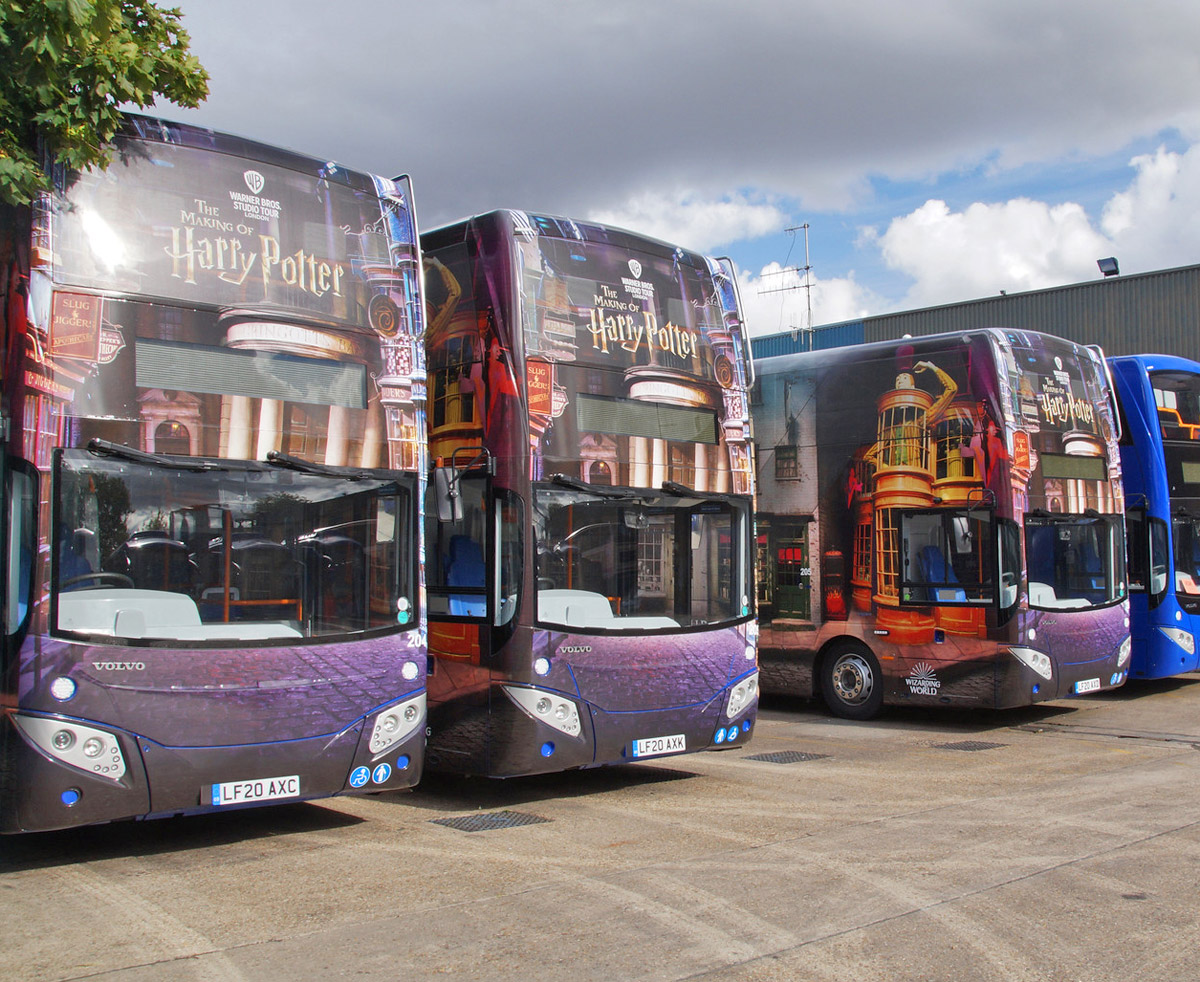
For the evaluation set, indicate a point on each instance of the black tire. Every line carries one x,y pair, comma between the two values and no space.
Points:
851,682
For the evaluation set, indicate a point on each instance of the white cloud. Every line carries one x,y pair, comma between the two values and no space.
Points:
689,220
1015,245
569,108
776,300
1023,244
757,109
1155,223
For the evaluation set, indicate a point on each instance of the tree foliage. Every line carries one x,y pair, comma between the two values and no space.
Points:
68,67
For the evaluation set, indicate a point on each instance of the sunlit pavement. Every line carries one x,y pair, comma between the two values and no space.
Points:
1060,842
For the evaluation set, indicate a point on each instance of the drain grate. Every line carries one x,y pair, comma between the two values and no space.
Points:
494,820
969,745
786,757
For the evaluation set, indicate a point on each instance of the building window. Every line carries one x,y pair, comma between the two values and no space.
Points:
787,464
650,562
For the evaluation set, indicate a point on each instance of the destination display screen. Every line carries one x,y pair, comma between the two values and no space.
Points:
653,421
1069,467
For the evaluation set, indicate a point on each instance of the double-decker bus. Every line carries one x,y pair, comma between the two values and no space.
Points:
589,531
1159,399
940,523
213,456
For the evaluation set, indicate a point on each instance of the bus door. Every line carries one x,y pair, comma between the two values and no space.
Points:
793,573
458,551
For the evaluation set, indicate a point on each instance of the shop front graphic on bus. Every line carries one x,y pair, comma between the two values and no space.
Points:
214,469
940,522
589,555
1159,398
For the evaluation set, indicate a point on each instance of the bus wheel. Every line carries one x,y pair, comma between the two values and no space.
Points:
851,683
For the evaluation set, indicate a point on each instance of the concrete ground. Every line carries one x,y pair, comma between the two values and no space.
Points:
1060,842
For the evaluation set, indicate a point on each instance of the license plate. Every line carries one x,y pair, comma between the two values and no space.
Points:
654,746
1088,685
261,789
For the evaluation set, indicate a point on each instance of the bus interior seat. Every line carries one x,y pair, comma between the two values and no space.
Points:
466,568
155,561
72,559
1040,555
1093,569
936,571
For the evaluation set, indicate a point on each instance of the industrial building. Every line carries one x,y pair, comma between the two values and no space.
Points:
1156,312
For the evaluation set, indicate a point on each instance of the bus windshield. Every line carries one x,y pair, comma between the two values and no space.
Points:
1075,561
639,561
198,550
1185,534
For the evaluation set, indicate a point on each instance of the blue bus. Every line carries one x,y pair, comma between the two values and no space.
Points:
212,464
1159,399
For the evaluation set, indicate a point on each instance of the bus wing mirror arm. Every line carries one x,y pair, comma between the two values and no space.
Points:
448,494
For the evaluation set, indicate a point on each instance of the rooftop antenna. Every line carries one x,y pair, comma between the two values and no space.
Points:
806,285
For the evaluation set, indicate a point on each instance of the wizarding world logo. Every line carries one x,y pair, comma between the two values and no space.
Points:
923,680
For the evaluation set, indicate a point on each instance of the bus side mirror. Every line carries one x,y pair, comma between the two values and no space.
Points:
447,493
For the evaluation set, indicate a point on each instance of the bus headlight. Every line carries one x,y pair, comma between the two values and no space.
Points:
547,707
1032,658
1123,652
1181,637
741,695
396,723
85,747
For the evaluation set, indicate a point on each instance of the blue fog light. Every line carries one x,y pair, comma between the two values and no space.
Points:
402,762
745,726
71,796
547,748
1037,689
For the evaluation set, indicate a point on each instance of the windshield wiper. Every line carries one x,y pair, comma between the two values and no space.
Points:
683,491
576,485
103,448
308,467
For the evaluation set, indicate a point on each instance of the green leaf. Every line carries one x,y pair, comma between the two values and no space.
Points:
68,65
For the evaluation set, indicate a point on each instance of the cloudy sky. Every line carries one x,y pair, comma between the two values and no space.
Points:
938,150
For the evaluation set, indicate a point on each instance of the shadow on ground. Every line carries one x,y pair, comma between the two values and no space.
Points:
38,850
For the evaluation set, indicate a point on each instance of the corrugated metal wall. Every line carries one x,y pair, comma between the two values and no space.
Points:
833,336
1157,312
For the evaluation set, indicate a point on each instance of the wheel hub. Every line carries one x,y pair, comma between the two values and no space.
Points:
852,679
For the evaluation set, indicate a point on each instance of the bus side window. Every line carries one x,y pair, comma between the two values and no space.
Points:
21,548
510,544
1009,555
1146,554
1158,541
1137,549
